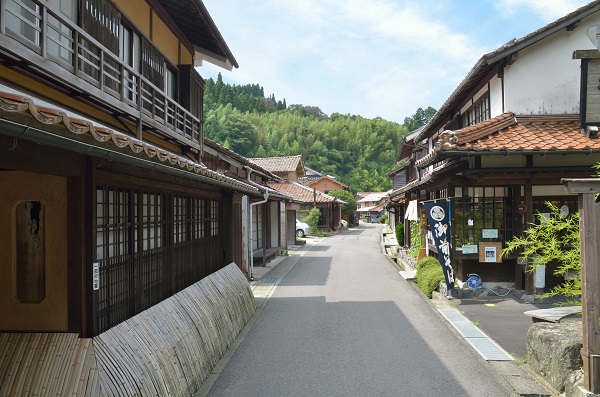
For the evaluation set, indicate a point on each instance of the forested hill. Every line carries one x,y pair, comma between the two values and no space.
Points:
358,151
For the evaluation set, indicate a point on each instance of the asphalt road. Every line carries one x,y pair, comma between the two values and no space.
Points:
342,322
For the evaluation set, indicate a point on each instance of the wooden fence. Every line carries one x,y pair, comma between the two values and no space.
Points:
167,350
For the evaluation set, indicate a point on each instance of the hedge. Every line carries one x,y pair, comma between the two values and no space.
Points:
429,275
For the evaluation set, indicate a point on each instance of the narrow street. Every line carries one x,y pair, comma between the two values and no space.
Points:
342,322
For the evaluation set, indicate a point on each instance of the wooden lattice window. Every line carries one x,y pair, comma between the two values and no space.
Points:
153,64
150,244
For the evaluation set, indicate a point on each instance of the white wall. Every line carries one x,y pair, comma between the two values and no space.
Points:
545,79
496,97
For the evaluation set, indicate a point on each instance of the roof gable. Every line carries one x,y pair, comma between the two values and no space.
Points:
303,193
192,17
488,63
281,164
327,178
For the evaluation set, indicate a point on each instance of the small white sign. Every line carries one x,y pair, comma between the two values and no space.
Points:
489,233
96,276
490,254
469,249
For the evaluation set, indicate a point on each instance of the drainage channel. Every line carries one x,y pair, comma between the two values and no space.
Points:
482,343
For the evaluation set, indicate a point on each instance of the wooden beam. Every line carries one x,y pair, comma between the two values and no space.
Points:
586,54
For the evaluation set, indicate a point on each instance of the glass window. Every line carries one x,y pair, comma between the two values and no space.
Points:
23,18
483,208
478,113
129,53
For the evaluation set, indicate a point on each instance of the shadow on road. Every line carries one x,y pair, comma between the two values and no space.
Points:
319,348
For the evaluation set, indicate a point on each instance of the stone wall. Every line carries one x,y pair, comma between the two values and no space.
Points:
554,350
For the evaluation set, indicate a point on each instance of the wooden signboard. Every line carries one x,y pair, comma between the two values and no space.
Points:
490,252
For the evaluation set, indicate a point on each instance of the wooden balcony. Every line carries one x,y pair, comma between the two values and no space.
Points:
43,43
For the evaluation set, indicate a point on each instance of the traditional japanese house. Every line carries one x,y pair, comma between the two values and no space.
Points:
329,206
372,206
107,208
500,144
273,221
326,184
287,167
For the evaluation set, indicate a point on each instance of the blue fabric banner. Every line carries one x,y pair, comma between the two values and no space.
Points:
440,226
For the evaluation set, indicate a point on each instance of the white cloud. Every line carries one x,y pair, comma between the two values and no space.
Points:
547,10
366,57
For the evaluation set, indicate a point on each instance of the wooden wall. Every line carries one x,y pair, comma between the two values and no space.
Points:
49,313
168,349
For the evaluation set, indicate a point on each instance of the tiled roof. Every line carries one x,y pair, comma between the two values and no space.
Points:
489,61
396,197
314,182
278,164
302,193
83,130
239,157
509,133
446,167
375,196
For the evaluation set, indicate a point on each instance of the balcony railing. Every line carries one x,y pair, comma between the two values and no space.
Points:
59,45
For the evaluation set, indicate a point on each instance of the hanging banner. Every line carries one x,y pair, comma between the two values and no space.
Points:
440,226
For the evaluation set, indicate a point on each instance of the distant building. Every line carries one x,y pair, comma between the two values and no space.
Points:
286,167
312,175
370,206
329,206
326,184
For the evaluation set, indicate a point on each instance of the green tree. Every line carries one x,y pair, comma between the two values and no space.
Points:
240,133
358,151
350,207
419,119
313,220
553,240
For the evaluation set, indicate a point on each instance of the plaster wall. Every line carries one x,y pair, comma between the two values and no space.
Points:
553,160
165,40
496,97
138,11
51,313
326,184
503,161
545,79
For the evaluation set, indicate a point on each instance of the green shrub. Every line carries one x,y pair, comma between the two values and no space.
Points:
429,275
384,219
416,238
313,220
400,234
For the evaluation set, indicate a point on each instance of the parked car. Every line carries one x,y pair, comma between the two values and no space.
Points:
302,229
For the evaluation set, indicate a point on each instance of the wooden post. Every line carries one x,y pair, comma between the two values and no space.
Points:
529,219
589,227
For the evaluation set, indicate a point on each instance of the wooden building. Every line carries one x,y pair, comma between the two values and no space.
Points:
108,209
102,129
500,144
307,198
326,184
286,167
273,221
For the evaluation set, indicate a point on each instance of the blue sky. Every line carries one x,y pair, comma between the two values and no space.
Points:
374,58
